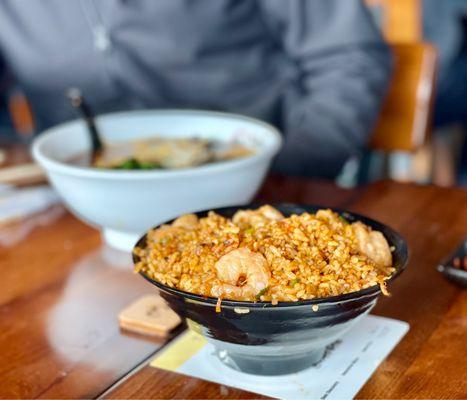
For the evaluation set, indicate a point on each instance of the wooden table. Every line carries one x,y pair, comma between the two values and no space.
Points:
60,292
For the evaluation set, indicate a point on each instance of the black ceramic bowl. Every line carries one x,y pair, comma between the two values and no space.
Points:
260,338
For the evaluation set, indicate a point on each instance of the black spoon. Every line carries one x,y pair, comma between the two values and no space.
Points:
78,102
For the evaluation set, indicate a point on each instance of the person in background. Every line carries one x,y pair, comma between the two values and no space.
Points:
317,69
445,25
7,133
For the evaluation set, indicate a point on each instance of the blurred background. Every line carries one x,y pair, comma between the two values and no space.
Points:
419,134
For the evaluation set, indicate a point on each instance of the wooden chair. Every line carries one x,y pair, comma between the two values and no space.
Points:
400,21
405,117
404,122
21,114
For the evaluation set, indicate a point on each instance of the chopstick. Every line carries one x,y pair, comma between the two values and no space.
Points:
24,174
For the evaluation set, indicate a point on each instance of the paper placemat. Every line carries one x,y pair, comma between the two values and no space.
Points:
347,365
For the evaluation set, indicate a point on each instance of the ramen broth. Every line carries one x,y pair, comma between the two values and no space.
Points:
163,153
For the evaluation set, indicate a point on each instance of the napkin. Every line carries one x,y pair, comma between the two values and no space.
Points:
19,203
345,368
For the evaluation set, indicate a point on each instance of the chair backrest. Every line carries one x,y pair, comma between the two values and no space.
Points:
21,114
399,20
404,121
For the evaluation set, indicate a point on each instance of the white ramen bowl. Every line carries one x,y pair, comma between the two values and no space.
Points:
125,204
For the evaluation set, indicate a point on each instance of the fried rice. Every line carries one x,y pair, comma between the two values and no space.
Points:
305,256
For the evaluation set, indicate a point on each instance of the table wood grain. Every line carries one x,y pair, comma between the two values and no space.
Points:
61,290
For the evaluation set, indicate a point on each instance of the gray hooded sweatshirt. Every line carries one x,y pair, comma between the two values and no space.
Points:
315,68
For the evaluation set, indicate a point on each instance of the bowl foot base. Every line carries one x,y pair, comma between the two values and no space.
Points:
120,240
270,365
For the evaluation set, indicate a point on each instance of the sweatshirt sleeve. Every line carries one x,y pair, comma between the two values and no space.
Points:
342,70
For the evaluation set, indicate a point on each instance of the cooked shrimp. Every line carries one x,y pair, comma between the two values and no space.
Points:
243,274
373,244
162,232
271,213
261,216
188,221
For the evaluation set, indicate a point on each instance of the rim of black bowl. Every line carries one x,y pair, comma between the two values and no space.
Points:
394,239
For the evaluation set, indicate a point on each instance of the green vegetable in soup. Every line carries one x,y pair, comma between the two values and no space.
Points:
133,163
